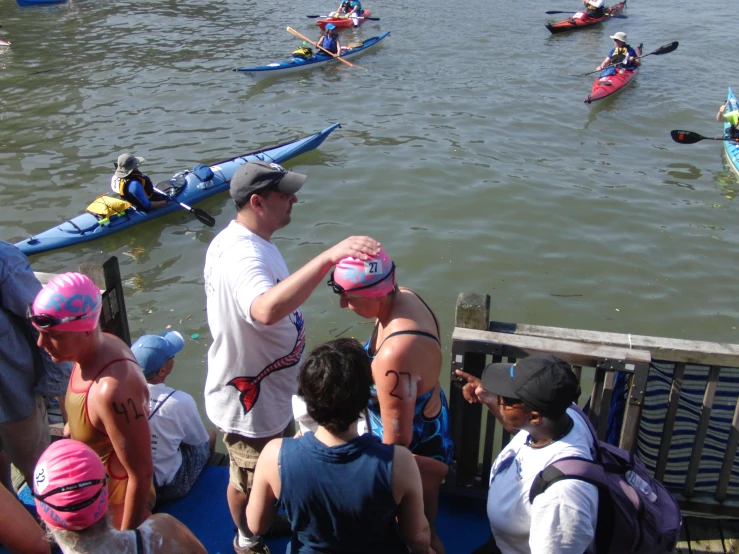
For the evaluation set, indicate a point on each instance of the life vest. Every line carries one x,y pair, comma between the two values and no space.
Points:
120,186
593,11
330,44
619,55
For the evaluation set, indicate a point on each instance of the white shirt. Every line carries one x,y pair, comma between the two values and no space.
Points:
561,520
175,421
595,3
252,368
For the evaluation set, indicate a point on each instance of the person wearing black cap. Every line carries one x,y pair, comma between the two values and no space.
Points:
532,398
254,315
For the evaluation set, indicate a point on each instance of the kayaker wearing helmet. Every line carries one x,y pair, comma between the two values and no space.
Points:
731,117
134,186
622,54
330,39
407,406
107,399
593,8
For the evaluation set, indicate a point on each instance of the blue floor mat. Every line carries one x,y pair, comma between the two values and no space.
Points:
462,523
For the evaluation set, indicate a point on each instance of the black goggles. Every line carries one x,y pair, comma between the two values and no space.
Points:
338,289
77,506
44,321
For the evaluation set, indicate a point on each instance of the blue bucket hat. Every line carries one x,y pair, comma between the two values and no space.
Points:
153,351
330,26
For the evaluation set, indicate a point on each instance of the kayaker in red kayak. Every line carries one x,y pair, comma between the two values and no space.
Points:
593,8
354,11
622,55
330,39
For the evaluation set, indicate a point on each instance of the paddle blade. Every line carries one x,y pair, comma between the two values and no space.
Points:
313,16
553,12
204,217
686,137
666,49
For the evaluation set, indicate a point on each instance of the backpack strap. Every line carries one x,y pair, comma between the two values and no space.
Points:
571,467
160,404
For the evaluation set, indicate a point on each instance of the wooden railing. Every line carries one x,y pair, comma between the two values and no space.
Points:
658,371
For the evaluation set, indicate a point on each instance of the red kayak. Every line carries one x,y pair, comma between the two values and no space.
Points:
605,86
581,19
342,21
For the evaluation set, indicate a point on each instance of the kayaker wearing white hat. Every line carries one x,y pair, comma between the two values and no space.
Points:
622,54
134,186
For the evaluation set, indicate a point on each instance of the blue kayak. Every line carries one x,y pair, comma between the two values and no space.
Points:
39,2
299,64
184,186
731,148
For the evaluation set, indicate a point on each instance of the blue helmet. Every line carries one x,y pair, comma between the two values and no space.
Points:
330,26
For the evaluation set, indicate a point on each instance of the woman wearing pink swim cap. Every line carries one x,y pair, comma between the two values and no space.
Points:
407,405
71,491
107,397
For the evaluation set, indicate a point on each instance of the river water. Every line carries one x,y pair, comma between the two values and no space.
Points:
466,149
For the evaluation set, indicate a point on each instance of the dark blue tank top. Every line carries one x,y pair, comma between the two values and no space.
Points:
339,499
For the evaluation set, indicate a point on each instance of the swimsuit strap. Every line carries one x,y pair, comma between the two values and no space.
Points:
413,332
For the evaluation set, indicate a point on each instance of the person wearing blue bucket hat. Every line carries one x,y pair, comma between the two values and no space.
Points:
329,40
181,446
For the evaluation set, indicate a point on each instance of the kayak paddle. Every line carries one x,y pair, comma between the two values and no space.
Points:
370,18
605,15
689,137
666,49
306,39
203,216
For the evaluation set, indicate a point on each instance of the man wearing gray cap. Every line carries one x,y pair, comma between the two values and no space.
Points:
254,315
134,186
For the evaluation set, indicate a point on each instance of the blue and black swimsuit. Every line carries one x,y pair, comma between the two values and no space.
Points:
431,435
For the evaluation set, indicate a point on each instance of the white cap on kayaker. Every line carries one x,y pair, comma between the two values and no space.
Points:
126,164
619,36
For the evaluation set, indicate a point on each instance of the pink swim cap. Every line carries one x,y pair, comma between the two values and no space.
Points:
69,486
69,302
372,278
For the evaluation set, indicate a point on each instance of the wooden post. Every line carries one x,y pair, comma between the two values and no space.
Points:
472,312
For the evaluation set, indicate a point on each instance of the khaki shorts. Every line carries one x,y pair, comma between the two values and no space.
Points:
26,440
243,453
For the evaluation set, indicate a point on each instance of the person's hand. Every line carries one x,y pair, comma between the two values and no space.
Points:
473,391
362,248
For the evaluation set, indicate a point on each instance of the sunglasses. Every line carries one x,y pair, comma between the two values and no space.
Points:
44,321
338,289
510,403
77,506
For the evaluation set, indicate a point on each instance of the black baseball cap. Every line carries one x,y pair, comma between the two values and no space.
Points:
258,176
546,384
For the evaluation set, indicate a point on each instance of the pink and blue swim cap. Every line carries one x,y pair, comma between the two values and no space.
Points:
372,278
69,302
69,485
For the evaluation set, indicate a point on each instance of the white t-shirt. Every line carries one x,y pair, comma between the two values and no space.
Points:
596,3
175,421
561,520
252,368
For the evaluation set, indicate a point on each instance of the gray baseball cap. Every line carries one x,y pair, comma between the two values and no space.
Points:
258,176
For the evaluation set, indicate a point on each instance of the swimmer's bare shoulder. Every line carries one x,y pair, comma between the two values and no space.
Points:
163,533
